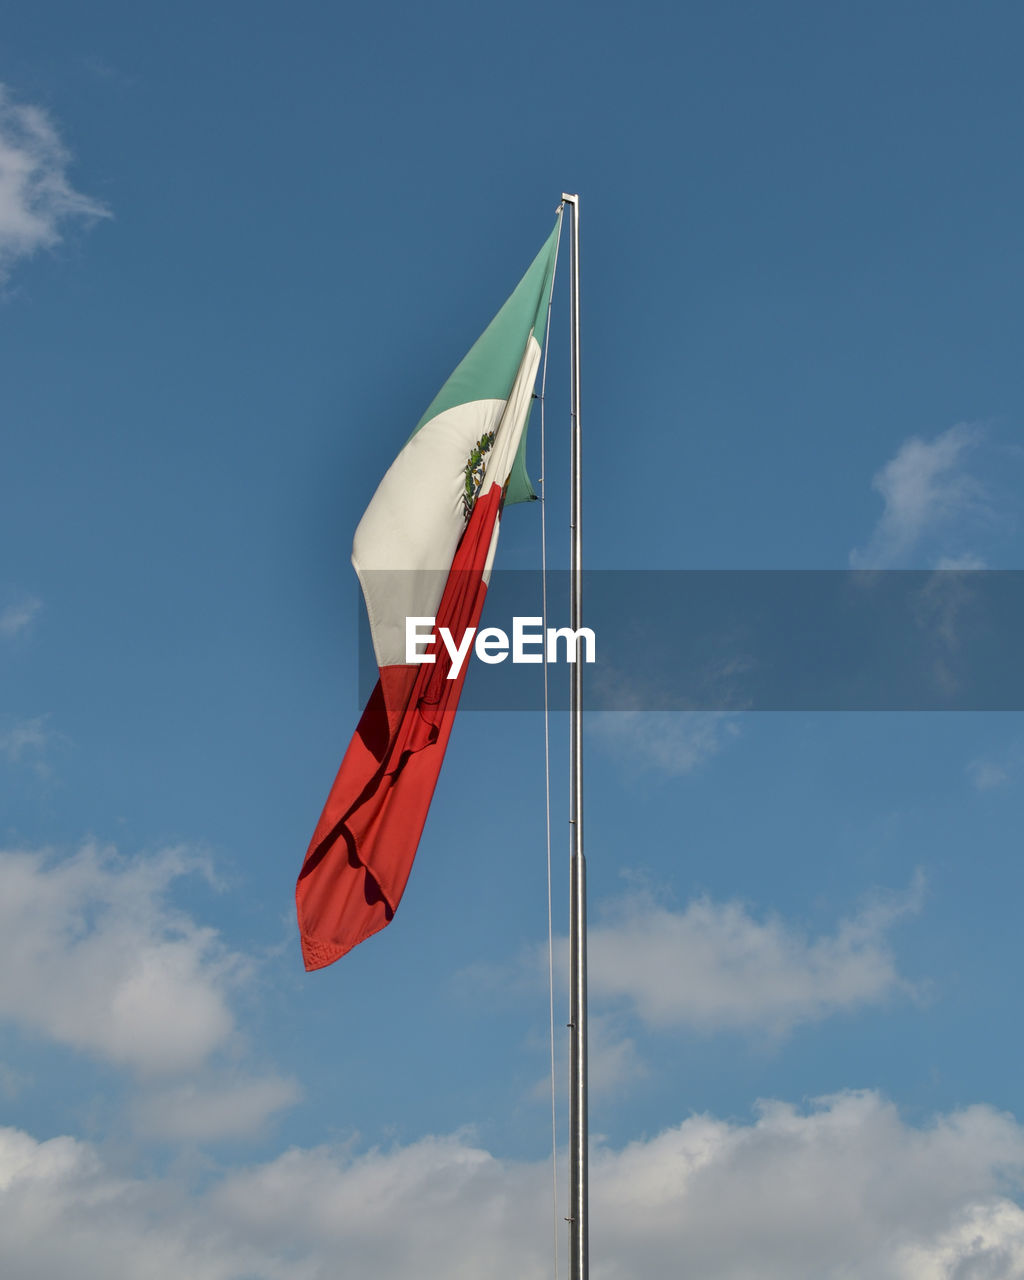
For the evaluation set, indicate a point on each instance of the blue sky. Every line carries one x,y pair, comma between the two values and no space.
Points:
241,247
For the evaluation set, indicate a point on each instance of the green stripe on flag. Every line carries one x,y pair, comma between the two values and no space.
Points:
489,368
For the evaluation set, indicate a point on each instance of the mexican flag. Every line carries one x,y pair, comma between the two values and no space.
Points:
423,549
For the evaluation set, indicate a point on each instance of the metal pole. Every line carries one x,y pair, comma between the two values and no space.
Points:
579,1228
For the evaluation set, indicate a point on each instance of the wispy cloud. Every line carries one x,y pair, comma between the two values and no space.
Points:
204,1110
19,616
669,742
37,199
24,738
717,966
614,1063
843,1189
926,490
11,1081
721,967
988,772
965,561
614,1060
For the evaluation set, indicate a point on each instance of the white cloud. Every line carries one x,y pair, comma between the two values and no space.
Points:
64,1214
926,489
715,966
671,742
846,1191
843,1190
206,1110
17,617
36,196
984,1242
93,956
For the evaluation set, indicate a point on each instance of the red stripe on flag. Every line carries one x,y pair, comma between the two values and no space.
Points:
362,851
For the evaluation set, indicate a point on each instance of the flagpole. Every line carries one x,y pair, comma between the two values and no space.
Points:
579,1231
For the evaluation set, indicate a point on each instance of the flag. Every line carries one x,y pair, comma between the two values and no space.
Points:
423,548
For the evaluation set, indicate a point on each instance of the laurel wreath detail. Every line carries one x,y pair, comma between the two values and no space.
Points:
476,465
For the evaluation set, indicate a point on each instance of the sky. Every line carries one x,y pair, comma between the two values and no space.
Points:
241,247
